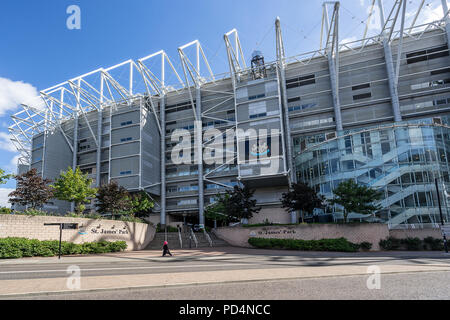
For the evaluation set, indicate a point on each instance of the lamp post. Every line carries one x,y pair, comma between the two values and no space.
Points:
440,213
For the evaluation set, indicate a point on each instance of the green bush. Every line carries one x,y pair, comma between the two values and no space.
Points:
11,248
434,244
412,244
340,245
365,246
390,243
5,210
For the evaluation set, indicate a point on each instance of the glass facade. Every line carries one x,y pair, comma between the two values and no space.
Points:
401,160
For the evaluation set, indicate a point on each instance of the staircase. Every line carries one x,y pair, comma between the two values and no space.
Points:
218,242
174,241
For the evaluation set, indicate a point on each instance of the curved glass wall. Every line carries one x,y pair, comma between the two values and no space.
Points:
401,160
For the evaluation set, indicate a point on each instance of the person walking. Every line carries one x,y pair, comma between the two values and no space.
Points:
166,249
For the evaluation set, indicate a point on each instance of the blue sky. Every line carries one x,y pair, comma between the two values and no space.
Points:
37,50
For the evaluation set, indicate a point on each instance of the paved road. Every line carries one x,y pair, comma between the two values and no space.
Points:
423,285
224,273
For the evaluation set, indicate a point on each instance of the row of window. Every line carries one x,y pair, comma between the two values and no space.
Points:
300,81
428,54
426,104
258,96
179,107
126,123
302,107
429,84
205,125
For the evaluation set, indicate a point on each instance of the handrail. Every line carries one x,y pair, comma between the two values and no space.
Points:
208,237
180,238
194,237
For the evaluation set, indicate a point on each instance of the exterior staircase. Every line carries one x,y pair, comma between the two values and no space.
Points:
174,241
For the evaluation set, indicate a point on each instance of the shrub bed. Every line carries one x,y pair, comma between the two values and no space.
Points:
412,244
340,244
11,248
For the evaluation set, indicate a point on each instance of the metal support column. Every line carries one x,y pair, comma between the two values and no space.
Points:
289,154
332,50
390,68
162,115
75,149
199,143
335,92
99,146
446,19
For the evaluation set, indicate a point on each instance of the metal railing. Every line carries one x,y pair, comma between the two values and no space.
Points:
193,237
208,237
180,238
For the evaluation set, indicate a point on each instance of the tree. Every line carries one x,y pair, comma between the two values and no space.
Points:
74,186
303,198
141,204
218,210
113,199
240,203
355,198
31,190
5,177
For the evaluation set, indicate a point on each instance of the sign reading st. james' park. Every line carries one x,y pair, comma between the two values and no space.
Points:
266,232
112,231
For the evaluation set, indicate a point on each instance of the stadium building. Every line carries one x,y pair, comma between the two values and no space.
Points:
376,110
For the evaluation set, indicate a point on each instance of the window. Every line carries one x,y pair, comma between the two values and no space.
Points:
361,86
87,171
300,81
257,109
440,71
428,54
126,123
294,99
429,84
179,107
302,107
362,96
258,96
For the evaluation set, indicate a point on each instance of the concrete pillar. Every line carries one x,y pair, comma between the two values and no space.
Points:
162,114
199,151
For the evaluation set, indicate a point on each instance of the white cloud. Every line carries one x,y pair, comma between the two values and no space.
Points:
5,142
12,93
4,197
430,14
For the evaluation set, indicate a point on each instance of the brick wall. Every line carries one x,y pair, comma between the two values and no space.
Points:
137,235
416,233
355,233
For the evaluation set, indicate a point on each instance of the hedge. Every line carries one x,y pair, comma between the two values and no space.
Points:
341,244
412,244
11,248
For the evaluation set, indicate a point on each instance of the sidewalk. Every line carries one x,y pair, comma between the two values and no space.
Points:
11,288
